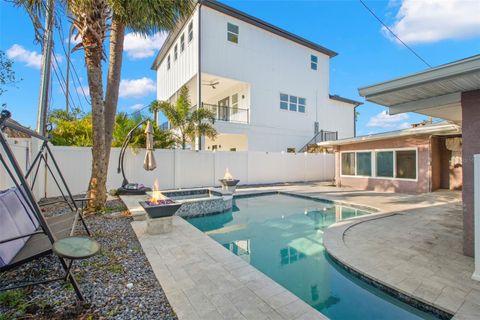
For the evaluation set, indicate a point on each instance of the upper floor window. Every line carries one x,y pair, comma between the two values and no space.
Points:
292,103
175,52
190,31
283,101
232,33
168,62
313,62
182,42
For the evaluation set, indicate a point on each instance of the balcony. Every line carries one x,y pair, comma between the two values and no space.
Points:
228,113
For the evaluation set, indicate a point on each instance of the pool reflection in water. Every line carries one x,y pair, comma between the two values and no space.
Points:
282,236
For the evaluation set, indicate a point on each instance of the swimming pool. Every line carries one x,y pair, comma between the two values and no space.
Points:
281,236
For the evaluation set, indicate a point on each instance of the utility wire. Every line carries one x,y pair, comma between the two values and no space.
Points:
393,33
79,83
61,83
62,80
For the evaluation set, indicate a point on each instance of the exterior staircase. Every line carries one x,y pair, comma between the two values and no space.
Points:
321,136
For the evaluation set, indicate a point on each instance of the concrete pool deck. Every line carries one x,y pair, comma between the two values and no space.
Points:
413,245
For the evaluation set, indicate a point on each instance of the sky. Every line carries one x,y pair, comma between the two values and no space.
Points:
439,31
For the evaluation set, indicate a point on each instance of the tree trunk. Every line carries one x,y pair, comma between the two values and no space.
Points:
97,190
117,35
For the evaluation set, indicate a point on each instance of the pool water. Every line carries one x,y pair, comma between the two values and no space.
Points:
281,236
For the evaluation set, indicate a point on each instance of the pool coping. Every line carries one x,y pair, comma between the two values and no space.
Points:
345,225
333,241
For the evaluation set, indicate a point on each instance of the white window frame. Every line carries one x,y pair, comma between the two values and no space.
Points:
190,31
168,62
175,52
288,102
233,33
374,164
182,42
313,63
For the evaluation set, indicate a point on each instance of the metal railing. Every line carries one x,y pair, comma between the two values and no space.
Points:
321,136
229,114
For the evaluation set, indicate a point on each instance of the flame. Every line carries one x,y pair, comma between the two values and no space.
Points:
157,196
227,175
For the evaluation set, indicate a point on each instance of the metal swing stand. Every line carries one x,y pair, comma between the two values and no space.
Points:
50,229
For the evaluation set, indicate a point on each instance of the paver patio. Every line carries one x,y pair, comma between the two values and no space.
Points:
203,280
413,244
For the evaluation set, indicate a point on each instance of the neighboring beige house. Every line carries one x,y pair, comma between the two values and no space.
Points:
415,160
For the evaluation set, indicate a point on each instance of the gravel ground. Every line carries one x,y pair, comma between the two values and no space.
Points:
118,282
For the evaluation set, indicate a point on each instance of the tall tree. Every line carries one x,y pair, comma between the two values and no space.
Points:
90,19
189,124
145,17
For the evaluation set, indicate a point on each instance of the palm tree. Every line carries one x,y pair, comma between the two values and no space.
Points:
189,123
90,20
145,17
154,108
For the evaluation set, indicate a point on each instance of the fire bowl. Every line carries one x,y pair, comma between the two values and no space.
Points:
164,208
229,184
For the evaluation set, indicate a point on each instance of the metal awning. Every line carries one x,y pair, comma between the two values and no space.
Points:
435,92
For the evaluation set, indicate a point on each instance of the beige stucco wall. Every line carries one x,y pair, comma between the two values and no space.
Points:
421,184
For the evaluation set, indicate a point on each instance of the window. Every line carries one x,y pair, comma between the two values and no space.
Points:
393,164
175,52
313,62
168,62
348,163
283,101
364,164
190,32
301,105
182,42
235,103
293,103
406,163
232,33
384,164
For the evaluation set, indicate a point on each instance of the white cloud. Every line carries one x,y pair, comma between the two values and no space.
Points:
136,88
432,20
83,89
386,121
30,58
138,47
136,107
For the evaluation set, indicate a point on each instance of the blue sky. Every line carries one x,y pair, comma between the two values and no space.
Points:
440,32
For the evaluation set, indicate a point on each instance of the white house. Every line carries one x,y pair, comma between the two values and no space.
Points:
268,87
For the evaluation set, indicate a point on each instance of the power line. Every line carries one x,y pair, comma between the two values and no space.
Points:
79,83
393,33
63,80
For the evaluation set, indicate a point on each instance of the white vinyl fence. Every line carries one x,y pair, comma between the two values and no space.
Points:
186,168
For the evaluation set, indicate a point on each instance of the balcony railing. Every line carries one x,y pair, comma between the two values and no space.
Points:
229,114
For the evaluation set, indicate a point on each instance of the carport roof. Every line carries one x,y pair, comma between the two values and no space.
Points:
435,92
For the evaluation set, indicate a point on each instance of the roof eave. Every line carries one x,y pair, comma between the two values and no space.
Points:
467,65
